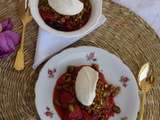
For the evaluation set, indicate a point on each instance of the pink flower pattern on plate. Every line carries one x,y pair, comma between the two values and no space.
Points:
48,113
124,80
91,57
51,72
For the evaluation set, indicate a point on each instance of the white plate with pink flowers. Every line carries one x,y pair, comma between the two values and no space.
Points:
113,69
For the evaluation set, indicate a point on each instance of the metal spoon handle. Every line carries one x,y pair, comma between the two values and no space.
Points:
141,112
19,62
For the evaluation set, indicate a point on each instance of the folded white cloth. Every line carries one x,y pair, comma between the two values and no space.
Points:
149,10
49,44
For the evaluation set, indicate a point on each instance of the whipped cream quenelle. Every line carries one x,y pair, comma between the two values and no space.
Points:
66,7
85,85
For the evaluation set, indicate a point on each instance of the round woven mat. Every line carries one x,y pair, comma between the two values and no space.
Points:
124,34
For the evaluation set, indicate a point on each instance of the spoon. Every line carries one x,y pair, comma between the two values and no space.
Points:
145,83
26,18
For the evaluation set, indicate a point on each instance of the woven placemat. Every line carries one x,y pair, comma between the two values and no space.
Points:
124,34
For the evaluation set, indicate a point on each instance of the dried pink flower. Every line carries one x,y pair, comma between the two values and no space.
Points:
8,39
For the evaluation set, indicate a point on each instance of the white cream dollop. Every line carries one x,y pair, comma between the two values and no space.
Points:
66,7
85,85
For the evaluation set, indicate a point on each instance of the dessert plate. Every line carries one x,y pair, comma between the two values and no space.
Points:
114,70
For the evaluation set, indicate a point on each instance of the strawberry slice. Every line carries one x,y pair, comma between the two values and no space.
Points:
109,107
85,115
61,80
76,114
110,102
66,98
95,116
46,14
66,116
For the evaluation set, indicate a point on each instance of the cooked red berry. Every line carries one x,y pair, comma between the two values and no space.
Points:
46,14
76,114
66,98
94,116
85,115
61,80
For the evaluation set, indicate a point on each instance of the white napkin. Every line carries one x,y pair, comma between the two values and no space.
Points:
149,10
49,44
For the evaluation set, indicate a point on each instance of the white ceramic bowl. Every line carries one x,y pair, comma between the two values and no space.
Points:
95,15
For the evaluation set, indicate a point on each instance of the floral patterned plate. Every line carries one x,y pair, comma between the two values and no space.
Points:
115,71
